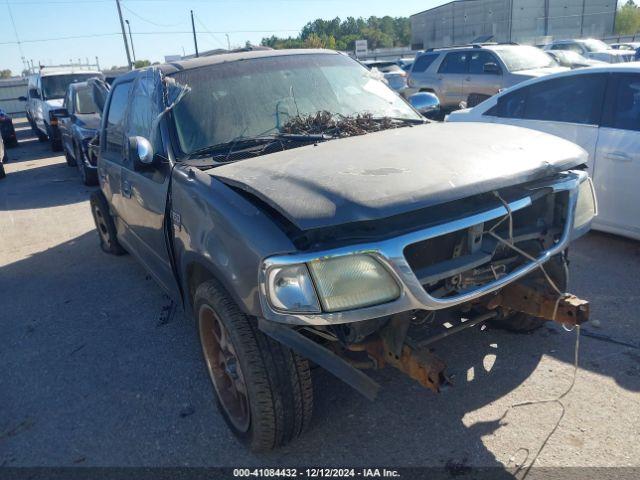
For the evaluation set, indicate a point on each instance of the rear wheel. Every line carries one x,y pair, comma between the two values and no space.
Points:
263,388
105,224
56,144
2,172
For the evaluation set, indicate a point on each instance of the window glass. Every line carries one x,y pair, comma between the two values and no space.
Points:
625,111
423,62
510,105
115,116
574,47
574,99
477,61
84,101
55,86
143,110
455,62
67,102
118,104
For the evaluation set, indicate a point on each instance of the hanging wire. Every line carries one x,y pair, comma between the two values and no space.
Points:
557,400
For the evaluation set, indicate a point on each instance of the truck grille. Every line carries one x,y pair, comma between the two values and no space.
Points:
452,263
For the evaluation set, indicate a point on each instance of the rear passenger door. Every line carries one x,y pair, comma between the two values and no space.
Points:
478,80
569,107
617,163
451,74
112,150
144,190
64,123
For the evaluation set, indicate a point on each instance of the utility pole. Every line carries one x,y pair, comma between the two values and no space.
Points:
195,40
124,35
228,42
133,50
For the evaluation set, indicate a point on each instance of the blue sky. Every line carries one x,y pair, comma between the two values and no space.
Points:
243,19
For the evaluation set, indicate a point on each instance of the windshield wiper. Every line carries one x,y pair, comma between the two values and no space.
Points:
243,145
407,120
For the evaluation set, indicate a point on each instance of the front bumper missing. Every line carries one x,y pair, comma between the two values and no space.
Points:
390,253
533,300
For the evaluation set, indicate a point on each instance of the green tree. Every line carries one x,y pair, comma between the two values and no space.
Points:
141,63
380,32
6,73
628,19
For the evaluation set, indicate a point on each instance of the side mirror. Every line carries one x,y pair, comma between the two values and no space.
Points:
492,68
22,98
141,153
62,113
426,103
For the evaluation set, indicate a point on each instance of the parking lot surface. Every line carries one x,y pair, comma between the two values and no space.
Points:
98,369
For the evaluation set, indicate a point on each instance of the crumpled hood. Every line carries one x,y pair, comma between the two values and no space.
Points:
387,173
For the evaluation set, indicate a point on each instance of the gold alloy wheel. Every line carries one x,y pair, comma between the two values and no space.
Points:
224,368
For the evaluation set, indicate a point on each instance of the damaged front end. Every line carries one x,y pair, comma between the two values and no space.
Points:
507,256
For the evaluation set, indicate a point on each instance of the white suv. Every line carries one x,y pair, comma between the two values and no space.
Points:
597,108
44,98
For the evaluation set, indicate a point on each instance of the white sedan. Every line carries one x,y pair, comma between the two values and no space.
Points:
597,108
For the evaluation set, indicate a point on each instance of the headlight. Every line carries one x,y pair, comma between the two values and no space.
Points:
586,208
352,281
290,288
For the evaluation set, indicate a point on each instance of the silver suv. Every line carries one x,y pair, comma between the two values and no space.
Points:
473,73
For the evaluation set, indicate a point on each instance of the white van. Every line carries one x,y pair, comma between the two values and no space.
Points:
46,91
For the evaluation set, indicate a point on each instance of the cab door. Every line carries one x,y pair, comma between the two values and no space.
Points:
145,188
64,123
480,79
112,149
450,77
616,172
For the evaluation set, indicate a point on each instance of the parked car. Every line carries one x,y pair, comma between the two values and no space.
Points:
78,122
3,158
45,93
7,130
626,46
473,73
571,59
593,49
597,108
393,73
291,234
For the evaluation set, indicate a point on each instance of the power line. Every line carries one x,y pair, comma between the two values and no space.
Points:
15,30
149,21
207,30
97,35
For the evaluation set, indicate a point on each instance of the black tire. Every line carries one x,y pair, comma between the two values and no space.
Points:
523,323
13,143
475,99
41,136
2,172
71,162
56,145
89,176
278,391
105,225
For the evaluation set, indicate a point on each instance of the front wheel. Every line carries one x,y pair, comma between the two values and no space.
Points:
105,225
89,176
263,388
2,172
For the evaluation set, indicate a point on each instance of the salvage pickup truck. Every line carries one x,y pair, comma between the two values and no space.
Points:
300,210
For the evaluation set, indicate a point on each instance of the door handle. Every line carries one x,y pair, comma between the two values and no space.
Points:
618,157
126,188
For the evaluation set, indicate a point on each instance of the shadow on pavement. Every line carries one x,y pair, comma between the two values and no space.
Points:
99,366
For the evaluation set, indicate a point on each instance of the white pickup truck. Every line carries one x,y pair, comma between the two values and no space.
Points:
44,98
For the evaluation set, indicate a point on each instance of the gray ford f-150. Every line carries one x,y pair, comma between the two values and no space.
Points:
302,211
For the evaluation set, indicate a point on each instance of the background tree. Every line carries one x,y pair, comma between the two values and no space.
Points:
628,19
337,34
6,73
141,63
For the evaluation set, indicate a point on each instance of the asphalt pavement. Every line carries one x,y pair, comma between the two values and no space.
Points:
97,369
